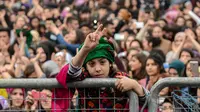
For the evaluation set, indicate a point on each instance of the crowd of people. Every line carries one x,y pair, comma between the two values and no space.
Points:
138,42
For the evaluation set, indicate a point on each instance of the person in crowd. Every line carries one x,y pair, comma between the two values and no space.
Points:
154,69
137,66
96,56
189,72
16,99
39,100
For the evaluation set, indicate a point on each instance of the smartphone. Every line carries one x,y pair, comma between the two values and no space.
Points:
118,36
36,95
139,25
194,65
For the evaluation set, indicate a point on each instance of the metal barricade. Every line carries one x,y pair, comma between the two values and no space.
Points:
168,82
52,83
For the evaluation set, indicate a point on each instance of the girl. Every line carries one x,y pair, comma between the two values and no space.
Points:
96,56
16,99
154,69
137,66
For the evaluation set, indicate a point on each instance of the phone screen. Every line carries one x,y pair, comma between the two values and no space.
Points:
118,36
194,65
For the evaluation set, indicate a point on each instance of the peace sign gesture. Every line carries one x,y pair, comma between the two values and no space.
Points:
92,39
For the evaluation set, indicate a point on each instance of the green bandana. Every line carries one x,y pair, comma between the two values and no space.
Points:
103,50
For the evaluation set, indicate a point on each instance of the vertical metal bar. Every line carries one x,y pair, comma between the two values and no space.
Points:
99,99
84,101
133,102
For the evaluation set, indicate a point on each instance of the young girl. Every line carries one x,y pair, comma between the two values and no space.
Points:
16,99
137,66
96,56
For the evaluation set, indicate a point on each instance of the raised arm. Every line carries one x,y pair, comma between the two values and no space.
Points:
90,43
191,36
70,47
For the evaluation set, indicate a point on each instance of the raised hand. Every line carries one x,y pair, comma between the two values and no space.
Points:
190,34
92,39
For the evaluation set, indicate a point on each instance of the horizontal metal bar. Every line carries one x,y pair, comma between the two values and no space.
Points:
167,82
53,83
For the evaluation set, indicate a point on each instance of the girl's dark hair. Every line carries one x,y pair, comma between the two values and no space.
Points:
79,37
155,41
142,59
187,50
159,57
184,74
139,42
32,20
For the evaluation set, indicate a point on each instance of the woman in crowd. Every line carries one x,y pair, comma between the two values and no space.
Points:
137,66
42,103
188,72
154,69
16,99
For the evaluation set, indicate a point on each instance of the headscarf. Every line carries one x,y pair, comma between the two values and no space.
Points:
103,50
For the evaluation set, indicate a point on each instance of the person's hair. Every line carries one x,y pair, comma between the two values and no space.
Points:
5,30
126,39
158,57
70,19
51,19
155,41
142,59
163,20
10,101
79,37
32,20
132,49
87,24
184,74
29,70
139,42
188,51
20,17
180,17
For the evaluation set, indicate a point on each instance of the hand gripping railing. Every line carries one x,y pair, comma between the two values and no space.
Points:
52,83
166,82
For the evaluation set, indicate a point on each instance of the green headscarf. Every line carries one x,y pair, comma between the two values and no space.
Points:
103,50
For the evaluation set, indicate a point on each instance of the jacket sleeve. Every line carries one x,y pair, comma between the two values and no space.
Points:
70,47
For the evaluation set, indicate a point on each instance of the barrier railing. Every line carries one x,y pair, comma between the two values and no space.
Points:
52,83
167,82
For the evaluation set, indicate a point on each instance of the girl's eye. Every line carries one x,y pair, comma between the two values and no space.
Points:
102,62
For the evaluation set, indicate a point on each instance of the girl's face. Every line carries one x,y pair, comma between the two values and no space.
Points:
189,71
17,97
145,44
35,22
185,56
70,37
179,38
180,22
134,64
157,32
135,45
43,56
98,68
152,68
128,41
60,59
46,102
